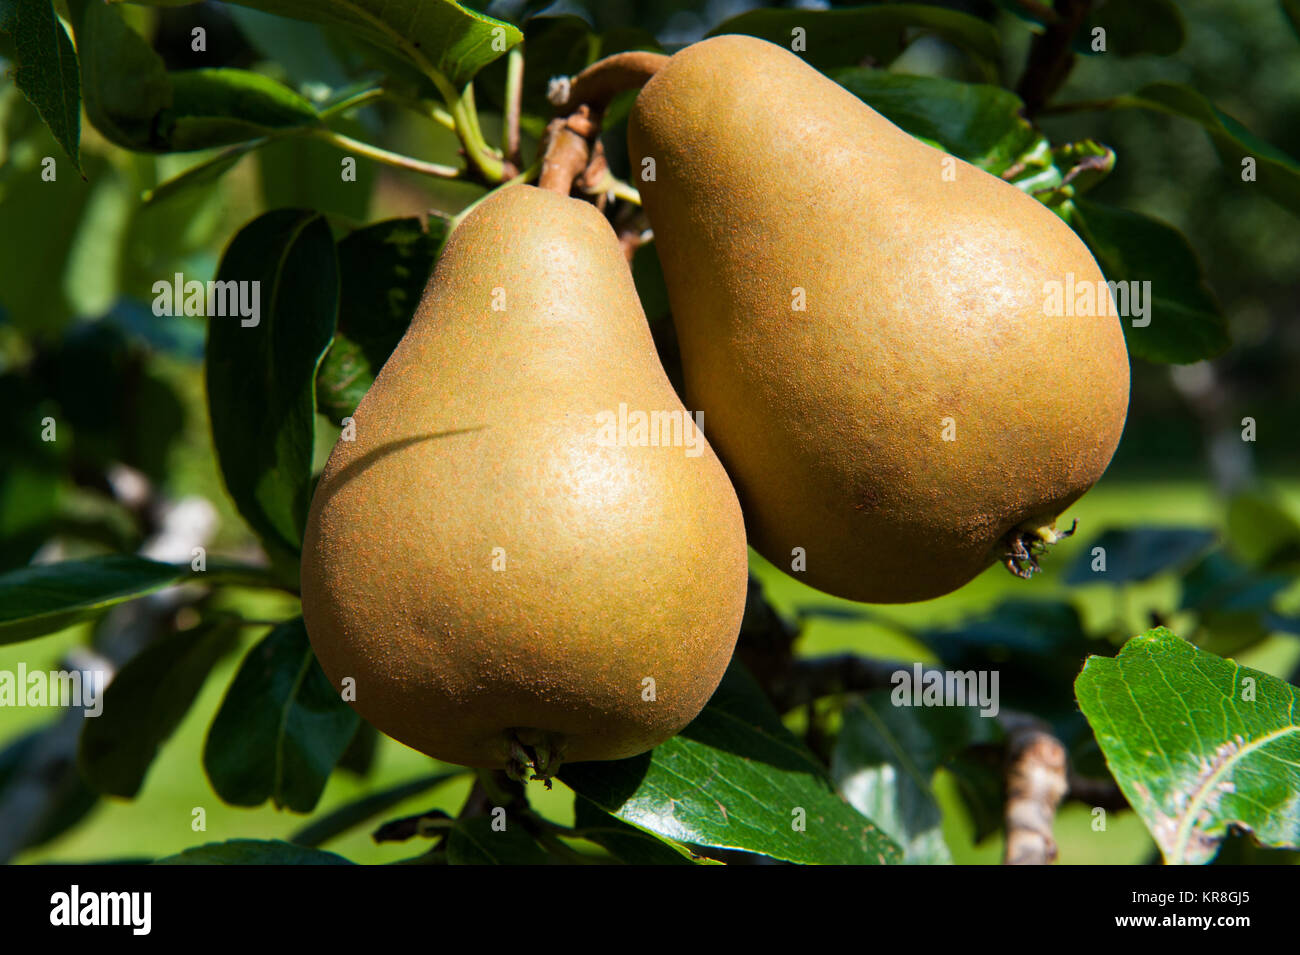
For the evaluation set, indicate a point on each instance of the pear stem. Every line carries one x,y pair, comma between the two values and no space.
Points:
599,83
1024,545
534,754
566,150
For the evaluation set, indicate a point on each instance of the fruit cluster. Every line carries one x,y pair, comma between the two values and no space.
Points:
862,325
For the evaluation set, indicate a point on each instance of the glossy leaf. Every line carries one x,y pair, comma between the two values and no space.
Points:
253,852
217,107
1184,321
47,72
979,123
475,842
261,378
434,35
837,38
124,81
625,843
384,269
136,103
44,598
885,758
281,728
736,778
1197,744
1276,173
1134,554
145,702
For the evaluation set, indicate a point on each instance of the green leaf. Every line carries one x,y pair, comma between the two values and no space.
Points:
44,598
306,52
435,35
1265,530
384,269
1135,554
981,124
1080,167
261,378
282,726
124,81
136,103
60,208
625,843
1185,322
1134,28
1219,583
847,37
47,72
353,814
475,842
253,852
146,701
217,107
1277,173
359,757
1197,744
1034,647
305,173
885,758
204,172
736,778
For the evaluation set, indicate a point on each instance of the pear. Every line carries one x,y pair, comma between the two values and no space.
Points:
509,567
867,325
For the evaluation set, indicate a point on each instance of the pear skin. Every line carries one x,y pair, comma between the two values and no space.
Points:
491,560
865,324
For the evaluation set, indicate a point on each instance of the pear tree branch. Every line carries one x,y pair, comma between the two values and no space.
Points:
1036,784
1051,55
566,150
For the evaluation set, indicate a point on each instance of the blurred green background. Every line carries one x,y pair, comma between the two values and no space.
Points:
79,343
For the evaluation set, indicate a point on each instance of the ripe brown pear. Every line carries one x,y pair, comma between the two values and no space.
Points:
509,578
868,337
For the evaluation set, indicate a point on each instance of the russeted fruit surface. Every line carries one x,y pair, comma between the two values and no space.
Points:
492,563
865,323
